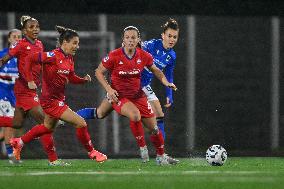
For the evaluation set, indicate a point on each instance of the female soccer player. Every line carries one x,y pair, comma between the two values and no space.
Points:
8,76
58,69
27,101
125,65
164,59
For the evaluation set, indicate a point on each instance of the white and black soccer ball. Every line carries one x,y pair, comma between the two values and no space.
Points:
216,155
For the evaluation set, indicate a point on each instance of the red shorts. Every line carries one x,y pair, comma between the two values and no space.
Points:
25,97
142,104
54,108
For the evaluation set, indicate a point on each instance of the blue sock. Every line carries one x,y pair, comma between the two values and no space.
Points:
87,113
161,126
9,149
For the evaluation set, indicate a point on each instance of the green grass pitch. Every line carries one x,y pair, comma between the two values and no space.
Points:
191,173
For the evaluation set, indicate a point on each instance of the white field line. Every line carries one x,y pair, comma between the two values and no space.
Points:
138,172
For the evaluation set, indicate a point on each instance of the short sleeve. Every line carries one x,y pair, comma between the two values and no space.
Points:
47,57
148,60
15,49
108,62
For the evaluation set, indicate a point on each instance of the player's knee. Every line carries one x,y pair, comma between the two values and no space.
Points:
81,124
154,130
135,116
100,114
17,125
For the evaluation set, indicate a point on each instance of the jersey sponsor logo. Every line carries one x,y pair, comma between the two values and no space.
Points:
50,54
60,103
132,72
63,72
138,61
106,58
120,62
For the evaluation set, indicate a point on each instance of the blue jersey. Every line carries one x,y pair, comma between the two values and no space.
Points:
8,76
164,59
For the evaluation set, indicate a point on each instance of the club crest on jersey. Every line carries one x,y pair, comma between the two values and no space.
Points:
28,47
138,61
50,54
106,58
60,103
168,58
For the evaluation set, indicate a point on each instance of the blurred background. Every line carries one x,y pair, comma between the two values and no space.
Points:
228,72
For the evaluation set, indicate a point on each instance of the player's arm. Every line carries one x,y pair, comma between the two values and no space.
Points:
160,75
5,59
100,71
75,79
169,92
31,60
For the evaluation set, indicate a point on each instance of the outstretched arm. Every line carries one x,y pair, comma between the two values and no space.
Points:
160,75
73,78
113,94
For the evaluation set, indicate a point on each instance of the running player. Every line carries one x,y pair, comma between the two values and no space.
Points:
125,65
27,101
8,76
164,59
58,70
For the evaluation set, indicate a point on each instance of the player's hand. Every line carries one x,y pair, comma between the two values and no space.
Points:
168,104
113,95
32,85
172,86
1,62
87,78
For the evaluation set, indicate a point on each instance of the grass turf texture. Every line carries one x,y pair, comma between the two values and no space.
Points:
237,173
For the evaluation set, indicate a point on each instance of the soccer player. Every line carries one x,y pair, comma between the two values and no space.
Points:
127,98
164,59
27,101
8,76
58,70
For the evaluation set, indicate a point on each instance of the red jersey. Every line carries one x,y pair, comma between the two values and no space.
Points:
126,72
58,69
20,50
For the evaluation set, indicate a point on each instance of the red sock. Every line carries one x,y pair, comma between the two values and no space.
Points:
36,131
48,146
84,137
6,121
138,132
158,141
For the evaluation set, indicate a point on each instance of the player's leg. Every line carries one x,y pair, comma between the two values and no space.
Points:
46,140
129,110
82,133
156,106
104,109
158,141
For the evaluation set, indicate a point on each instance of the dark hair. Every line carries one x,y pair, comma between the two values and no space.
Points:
131,28
171,23
24,19
65,34
10,33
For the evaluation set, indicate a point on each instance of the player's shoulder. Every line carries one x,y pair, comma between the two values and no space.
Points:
143,53
172,53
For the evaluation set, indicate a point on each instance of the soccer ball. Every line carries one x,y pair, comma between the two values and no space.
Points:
216,155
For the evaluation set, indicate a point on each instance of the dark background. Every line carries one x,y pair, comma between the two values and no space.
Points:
165,7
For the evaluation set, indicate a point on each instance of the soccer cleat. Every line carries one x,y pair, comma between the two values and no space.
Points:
166,160
13,160
98,156
59,163
144,154
17,147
